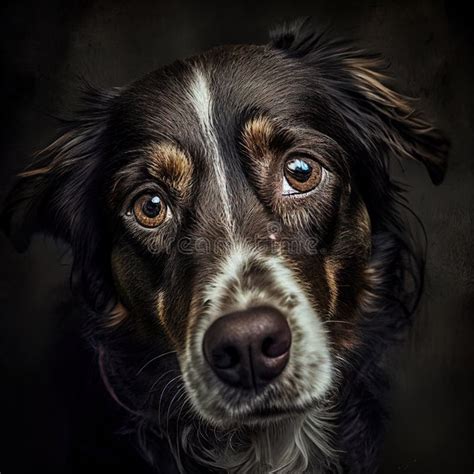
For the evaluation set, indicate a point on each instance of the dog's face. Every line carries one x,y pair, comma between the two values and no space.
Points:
234,207
228,204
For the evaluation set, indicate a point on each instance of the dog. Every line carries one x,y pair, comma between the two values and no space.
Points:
241,249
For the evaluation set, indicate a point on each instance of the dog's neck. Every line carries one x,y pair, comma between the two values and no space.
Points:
330,439
300,444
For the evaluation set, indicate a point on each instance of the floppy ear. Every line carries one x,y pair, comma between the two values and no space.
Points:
58,194
380,119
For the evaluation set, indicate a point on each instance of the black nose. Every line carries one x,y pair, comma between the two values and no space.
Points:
248,349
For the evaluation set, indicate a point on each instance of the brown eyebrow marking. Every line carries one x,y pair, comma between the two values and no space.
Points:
257,135
169,163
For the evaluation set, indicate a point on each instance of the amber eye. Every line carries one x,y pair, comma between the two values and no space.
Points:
149,210
301,175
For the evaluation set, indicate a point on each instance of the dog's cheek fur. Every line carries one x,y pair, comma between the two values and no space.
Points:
346,265
336,275
151,289
133,284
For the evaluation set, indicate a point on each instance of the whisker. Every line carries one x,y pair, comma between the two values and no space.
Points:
338,322
178,444
153,360
159,378
161,396
179,394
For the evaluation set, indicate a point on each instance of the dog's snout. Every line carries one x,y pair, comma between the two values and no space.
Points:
248,349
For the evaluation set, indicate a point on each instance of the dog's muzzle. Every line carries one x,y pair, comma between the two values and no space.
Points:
256,347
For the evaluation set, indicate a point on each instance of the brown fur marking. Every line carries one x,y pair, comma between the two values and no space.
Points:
256,136
118,314
331,269
169,163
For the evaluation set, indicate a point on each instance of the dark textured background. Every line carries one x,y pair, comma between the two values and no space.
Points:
54,416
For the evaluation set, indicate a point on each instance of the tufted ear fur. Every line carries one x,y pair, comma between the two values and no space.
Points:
382,121
59,194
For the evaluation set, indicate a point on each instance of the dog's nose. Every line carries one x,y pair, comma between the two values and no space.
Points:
248,349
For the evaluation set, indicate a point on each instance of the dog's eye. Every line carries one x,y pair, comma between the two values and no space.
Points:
149,210
301,175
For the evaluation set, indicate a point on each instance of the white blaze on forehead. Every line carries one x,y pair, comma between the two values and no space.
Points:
201,100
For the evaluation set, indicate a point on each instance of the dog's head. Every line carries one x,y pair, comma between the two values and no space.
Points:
229,205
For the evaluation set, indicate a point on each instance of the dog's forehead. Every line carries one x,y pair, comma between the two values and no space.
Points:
221,88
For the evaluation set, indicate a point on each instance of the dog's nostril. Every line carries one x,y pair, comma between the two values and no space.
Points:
267,346
225,357
275,346
248,348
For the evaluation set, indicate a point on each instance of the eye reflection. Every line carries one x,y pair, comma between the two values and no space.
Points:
301,175
149,210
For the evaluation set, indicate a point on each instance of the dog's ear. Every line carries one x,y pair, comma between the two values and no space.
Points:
59,194
383,121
